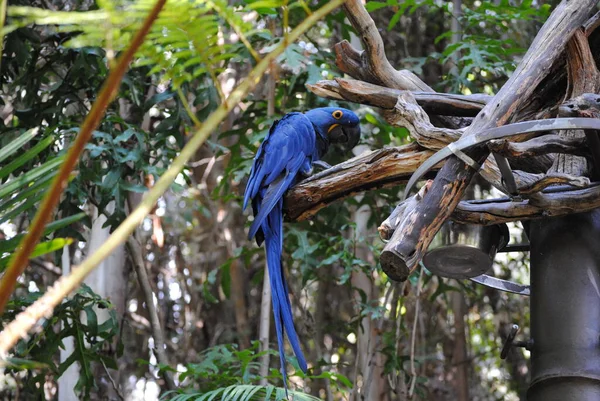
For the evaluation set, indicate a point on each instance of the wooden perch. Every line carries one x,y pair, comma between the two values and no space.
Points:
583,78
372,65
529,184
407,113
542,145
496,211
387,228
540,206
406,249
377,169
361,92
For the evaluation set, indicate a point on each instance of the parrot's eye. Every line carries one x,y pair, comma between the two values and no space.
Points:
337,114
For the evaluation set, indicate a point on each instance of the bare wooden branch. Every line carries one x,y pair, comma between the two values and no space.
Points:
372,64
591,25
539,146
387,228
531,183
377,169
583,77
539,206
356,91
496,211
407,113
423,222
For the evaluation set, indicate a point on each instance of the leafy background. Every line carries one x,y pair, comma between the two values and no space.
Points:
356,326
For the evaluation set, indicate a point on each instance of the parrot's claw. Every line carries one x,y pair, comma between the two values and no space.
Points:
322,164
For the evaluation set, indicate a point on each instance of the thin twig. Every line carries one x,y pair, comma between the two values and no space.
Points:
19,260
413,371
112,381
137,257
238,32
20,326
188,109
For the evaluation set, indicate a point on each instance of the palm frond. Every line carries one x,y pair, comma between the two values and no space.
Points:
185,43
22,192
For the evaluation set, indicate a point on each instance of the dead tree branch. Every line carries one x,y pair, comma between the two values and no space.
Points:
352,90
377,169
407,113
529,184
539,146
372,65
496,211
402,254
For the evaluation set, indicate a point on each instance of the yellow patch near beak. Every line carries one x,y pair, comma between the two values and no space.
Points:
332,127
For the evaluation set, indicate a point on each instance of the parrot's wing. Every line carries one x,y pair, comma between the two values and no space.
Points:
281,156
257,173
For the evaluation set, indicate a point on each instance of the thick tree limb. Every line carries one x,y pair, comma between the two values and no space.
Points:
356,91
582,78
540,206
542,145
377,169
529,184
496,211
387,228
402,254
407,113
372,65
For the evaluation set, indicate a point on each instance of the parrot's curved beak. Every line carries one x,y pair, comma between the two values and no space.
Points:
347,136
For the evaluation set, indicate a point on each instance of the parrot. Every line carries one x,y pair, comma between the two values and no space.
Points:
293,145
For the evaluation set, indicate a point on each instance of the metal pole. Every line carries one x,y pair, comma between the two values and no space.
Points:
565,308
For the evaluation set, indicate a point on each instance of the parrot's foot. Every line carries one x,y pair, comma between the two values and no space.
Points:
322,164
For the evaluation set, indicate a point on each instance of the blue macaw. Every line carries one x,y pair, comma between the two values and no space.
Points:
288,151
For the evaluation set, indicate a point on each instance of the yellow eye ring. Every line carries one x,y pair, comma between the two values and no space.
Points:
337,114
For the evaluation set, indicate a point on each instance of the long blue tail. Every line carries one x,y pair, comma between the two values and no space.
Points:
282,309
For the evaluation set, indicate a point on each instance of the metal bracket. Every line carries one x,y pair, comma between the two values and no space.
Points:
502,285
508,179
510,342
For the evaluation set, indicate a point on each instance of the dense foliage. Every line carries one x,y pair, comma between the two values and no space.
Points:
359,330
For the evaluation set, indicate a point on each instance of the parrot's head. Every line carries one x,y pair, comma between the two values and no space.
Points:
338,125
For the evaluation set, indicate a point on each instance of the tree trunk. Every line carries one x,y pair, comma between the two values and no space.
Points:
69,378
369,358
109,281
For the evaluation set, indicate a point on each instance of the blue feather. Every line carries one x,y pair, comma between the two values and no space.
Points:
282,309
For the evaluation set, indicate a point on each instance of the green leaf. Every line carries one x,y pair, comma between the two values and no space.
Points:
29,202
265,4
41,249
39,185
374,5
24,158
24,364
11,244
394,20
15,145
28,177
92,320
124,136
